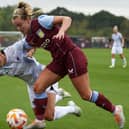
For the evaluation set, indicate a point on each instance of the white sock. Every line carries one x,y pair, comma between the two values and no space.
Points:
61,111
58,98
113,61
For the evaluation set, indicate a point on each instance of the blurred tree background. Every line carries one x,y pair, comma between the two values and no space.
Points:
99,24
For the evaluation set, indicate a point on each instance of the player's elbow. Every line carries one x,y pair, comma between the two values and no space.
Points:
69,19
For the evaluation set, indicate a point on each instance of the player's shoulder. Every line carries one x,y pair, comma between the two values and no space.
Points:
46,21
43,16
19,44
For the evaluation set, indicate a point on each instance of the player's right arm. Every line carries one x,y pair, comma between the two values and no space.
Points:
49,21
111,41
122,40
65,23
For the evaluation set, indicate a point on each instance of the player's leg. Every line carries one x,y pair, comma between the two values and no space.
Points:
52,112
60,92
113,52
60,111
113,60
44,108
71,108
82,85
77,63
50,107
37,103
124,61
45,79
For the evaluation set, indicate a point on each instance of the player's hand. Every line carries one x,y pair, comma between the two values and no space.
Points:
31,52
59,35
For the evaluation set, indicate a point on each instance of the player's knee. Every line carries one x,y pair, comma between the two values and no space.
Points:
38,88
86,96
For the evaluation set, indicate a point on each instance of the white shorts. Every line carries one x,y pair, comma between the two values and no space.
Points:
117,50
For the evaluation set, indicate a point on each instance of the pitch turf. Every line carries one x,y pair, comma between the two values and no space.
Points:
113,83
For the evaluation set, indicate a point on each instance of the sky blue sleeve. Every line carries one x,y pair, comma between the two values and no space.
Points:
46,21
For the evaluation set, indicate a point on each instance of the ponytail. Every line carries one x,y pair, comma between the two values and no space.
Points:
24,10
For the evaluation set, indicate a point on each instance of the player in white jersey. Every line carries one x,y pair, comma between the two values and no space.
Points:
14,62
117,47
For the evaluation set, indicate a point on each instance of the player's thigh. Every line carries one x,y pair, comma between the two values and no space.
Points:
82,84
114,50
47,77
120,50
76,63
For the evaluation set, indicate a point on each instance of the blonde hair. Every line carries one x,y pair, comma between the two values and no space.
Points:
37,12
115,28
23,10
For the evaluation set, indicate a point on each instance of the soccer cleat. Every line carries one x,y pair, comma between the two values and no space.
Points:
36,124
77,111
119,116
111,66
124,65
64,93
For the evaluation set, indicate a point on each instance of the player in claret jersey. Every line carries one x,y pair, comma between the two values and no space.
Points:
14,62
49,32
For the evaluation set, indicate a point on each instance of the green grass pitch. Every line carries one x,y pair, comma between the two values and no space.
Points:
113,83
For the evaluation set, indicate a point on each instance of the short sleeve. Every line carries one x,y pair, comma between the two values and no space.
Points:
46,21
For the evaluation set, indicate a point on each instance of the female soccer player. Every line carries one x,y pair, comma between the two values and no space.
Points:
49,32
117,47
15,63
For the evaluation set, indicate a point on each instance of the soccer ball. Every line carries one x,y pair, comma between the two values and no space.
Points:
16,118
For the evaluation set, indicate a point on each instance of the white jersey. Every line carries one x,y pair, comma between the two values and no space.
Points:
18,65
117,39
23,67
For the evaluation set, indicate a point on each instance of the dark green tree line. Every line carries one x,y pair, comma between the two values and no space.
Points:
99,24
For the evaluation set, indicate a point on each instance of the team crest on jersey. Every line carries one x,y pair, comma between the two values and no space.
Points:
40,33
